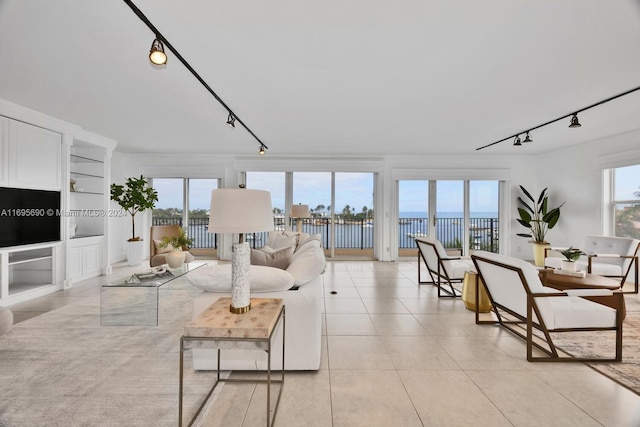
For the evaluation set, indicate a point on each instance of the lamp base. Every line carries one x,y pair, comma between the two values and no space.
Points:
239,310
240,278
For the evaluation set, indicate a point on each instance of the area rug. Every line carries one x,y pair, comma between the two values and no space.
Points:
63,369
590,344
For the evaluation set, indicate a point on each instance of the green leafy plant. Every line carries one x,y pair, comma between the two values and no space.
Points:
537,216
177,241
572,254
134,196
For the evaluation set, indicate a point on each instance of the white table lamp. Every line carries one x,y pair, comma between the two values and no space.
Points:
300,211
239,210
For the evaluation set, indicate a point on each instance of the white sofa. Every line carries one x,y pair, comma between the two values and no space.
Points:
303,305
606,256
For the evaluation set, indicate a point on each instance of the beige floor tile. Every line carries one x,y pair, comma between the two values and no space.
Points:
332,292
428,305
599,396
370,398
416,352
344,305
386,305
478,353
449,398
350,324
397,324
526,400
383,282
359,352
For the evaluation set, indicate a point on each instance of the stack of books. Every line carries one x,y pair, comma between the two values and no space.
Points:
579,273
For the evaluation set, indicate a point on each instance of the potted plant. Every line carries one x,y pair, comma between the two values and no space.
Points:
176,258
539,219
572,255
134,196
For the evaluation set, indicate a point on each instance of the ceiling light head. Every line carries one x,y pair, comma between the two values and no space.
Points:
574,121
231,120
516,141
156,54
261,152
527,138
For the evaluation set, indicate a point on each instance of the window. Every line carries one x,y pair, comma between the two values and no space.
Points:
191,211
626,201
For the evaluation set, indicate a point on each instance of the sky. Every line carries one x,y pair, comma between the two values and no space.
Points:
353,189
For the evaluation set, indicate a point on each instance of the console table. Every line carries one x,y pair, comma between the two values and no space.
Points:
218,328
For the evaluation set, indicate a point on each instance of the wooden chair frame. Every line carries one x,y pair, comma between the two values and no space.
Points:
623,278
532,308
438,274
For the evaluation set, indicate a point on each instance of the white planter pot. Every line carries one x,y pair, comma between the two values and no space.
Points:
134,252
175,259
569,265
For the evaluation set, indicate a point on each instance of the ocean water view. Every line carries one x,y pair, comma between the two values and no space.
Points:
359,234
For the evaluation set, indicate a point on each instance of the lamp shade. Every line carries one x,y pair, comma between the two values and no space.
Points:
239,210
300,211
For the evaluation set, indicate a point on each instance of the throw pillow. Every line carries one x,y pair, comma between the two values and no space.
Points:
279,240
217,278
278,259
160,249
309,263
307,239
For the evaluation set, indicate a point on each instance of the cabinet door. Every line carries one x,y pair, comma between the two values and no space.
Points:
90,261
74,263
35,157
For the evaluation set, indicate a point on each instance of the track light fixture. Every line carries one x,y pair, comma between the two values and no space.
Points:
574,121
156,54
527,138
231,120
516,141
261,152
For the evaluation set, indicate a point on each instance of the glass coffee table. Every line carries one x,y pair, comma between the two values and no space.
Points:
133,300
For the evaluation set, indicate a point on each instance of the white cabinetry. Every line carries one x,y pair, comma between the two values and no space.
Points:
88,214
84,258
34,156
28,271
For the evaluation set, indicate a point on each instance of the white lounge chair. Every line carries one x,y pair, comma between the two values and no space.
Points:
519,299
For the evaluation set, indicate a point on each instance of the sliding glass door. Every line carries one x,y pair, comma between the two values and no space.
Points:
462,215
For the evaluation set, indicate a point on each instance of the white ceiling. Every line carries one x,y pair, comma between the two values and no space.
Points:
328,78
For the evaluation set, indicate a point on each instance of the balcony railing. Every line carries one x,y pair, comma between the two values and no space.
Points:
483,232
358,233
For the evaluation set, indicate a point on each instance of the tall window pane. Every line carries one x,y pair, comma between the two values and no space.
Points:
413,214
199,204
354,205
627,201
314,189
483,215
169,209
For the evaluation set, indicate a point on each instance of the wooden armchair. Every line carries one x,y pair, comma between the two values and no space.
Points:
443,269
157,255
608,256
521,304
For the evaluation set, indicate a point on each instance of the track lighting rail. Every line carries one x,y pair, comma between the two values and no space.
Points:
169,46
560,118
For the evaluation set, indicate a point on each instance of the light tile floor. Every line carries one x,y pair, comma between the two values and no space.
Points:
396,355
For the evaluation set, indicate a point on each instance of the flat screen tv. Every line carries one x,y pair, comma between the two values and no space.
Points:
28,216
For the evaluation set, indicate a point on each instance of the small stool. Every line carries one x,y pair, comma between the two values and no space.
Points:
6,320
469,293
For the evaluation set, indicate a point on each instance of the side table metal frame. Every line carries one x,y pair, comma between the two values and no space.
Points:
226,343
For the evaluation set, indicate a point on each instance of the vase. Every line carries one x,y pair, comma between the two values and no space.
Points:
538,252
134,252
175,259
569,265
